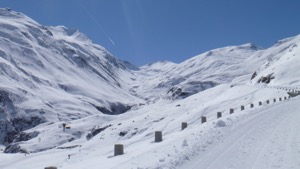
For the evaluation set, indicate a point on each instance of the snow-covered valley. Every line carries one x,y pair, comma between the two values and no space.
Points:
55,76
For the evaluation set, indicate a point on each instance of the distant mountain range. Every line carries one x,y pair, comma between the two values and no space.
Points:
55,75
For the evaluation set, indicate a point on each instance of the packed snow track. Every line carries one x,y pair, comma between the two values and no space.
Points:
269,140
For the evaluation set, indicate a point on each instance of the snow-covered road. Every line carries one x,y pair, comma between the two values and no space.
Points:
268,139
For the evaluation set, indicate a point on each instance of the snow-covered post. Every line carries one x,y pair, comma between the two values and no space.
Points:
203,119
251,105
219,114
231,111
51,167
158,136
119,149
184,125
259,103
242,108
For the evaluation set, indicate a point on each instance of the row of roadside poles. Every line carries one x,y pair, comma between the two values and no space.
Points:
119,148
158,137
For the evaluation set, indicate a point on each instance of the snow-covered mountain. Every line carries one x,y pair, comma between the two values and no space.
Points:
218,66
282,64
55,76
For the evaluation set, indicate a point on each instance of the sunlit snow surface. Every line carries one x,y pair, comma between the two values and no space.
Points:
60,76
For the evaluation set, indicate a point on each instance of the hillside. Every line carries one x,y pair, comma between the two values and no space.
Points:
282,63
55,76
52,74
207,70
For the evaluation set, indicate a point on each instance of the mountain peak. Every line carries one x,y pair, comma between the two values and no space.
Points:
63,32
251,46
289,39
9,13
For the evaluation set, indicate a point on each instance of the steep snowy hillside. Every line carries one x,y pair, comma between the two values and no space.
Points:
218,66
63,101
51,74
282,66
135,130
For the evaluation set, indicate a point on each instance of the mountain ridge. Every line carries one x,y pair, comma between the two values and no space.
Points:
54,75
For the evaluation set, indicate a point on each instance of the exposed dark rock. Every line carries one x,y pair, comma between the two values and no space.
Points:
293,94
96,131
14,133
253,75
21,124
15,148
69,147
123,133
130,66
11,127
22,136
155,121
9,137
71,139
266,79
115,109
189,88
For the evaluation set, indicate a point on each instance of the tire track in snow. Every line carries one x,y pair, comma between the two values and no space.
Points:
239,140
210,158
264,143
282,145
254,133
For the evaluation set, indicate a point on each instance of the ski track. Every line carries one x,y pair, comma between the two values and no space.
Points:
270,139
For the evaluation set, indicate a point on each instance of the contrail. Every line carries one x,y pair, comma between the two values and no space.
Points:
97,23
111,41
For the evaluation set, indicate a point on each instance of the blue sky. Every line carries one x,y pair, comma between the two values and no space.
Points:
145,31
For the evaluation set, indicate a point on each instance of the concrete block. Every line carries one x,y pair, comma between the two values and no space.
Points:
219,114
203,119
119,149
184,125
158,136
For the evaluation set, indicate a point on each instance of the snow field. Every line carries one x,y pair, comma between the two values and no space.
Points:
269,139
177,146
58,75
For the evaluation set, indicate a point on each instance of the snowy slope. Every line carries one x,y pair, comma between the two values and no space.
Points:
218,66
282,64
139,126
55,75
